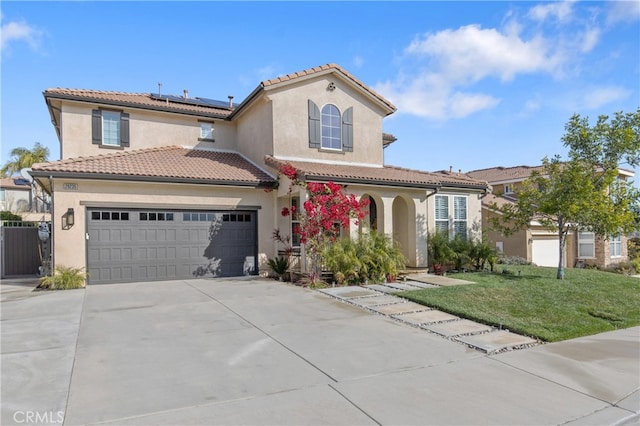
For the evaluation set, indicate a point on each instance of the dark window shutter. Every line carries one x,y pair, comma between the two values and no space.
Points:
96,127
124,129
347,130
314,125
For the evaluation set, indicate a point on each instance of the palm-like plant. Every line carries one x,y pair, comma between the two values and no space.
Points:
23,158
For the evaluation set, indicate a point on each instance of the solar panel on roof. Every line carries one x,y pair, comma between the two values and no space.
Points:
191,101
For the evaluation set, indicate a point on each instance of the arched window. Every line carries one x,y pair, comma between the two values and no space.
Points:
331,127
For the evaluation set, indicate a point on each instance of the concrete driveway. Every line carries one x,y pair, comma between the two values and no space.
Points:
253,351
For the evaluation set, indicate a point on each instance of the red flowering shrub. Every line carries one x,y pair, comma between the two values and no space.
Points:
326,210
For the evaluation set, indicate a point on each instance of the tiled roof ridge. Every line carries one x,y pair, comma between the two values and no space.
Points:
524,166
325,67
437,175
96,91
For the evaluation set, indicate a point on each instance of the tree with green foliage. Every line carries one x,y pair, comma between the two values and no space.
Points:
584,192
22,158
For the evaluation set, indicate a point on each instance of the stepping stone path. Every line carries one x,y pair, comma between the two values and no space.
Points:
379,298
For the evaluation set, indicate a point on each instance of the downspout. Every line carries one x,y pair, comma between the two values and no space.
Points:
434,192
53,233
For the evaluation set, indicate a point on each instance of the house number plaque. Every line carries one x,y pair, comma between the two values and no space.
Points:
70,186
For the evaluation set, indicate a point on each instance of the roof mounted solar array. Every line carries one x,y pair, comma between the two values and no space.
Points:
205,102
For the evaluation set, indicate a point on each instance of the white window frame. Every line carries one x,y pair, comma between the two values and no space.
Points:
587,239
328,128
508,189
615,246
206,131
460,216
441,221
110,128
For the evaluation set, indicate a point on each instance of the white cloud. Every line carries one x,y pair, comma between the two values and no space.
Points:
600,96
560,11
623,11
472,53
589,39
19,31
457,59
358,61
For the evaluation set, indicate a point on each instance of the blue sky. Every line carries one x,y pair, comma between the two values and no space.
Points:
477,84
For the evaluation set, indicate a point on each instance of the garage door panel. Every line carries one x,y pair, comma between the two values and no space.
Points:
180,245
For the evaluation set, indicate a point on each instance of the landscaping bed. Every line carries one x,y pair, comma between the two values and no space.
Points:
530,300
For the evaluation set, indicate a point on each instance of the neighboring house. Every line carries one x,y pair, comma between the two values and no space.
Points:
159,187
536,243
15,195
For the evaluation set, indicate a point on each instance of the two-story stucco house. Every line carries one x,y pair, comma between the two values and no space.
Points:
157,187
535,243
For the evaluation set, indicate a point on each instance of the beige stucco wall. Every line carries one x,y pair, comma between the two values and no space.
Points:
147,129
255,131
70,245
291,121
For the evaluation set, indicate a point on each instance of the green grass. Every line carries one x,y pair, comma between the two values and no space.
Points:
536,304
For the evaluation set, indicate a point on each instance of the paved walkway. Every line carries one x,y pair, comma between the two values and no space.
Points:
254,351
380,298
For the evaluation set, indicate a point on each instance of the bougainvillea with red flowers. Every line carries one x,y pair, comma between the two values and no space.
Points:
327,210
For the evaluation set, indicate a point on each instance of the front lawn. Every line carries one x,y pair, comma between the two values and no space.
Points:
536,304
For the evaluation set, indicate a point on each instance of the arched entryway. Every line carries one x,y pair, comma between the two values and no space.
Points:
373,220
404,228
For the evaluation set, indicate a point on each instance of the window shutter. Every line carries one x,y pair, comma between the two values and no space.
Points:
314,125
442,207
124,129
96,127
347,130
460,208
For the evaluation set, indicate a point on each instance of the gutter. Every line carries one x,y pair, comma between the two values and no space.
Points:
160,179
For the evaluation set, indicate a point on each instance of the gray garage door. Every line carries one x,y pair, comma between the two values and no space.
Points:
152,245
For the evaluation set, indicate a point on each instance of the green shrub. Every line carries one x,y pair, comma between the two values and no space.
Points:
371,257
279,266
439,251
482,252
65,278
625,268
7,215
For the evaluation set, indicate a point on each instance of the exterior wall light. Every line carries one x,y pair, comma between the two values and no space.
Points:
68,219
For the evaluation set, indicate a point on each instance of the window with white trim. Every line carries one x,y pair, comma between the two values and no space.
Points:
331,127
586,245
109,128
442,213
206,131
460,216
508,189
615,246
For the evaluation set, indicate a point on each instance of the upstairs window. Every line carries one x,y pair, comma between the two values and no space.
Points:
206,131
330,130
110,128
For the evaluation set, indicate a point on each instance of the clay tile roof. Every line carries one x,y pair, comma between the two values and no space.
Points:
323,68
499,174
139,100
385,175
490,199
171,163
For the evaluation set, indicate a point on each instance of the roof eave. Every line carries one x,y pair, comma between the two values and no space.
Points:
160,179
78,98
